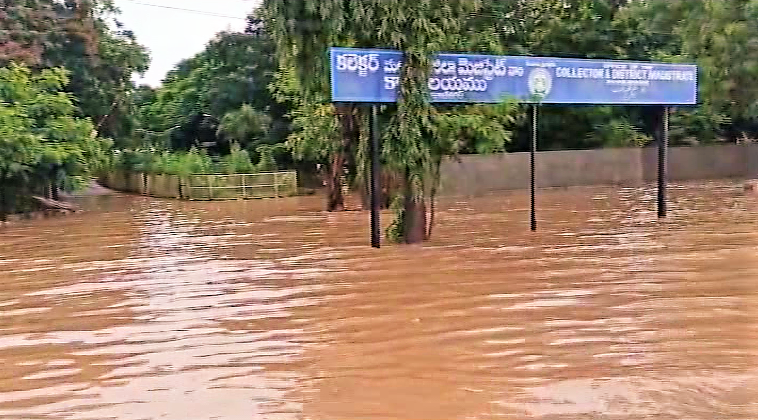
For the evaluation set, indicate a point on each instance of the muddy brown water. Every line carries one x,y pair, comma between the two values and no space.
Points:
141,308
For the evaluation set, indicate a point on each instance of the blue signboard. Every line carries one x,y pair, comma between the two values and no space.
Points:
369,75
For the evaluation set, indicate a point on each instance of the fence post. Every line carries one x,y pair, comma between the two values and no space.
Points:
276,184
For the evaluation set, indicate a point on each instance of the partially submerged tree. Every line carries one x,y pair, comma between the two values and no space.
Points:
303,30
42,143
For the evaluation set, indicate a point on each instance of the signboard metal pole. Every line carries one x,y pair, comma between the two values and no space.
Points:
532,156
375,190
662,162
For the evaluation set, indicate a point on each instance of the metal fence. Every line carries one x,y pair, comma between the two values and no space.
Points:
205,187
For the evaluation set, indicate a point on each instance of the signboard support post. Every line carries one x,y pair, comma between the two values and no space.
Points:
375,190
532,156
663,145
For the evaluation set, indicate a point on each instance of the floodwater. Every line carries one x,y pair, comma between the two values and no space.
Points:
142,309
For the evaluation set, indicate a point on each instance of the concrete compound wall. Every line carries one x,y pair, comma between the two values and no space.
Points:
479,174
752,162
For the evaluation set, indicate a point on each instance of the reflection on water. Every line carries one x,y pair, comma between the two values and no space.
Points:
150,309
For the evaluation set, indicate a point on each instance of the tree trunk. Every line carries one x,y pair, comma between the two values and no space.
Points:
414,220
433,196
390,187
414,216
3,200
54,191
432,214
350,137
335,201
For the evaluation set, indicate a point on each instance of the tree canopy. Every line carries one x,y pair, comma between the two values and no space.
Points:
85,38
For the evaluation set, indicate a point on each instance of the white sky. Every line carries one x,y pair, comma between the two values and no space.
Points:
173,35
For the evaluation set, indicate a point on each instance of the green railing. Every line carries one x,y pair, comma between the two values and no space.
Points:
205,187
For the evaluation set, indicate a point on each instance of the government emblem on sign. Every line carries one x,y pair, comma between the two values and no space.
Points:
540,82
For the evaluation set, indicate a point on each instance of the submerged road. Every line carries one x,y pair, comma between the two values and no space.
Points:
140,308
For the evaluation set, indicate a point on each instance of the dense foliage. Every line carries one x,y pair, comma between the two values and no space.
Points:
42,143
66,83
85,38
194,161
220,97
262,95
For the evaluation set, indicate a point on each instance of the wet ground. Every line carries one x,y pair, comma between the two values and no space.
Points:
141,308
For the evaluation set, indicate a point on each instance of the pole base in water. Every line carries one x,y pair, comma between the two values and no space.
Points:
532,169
376,187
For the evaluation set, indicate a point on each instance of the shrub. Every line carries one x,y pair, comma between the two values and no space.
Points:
266,163
238,161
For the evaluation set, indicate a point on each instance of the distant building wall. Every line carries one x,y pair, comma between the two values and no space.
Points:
478,174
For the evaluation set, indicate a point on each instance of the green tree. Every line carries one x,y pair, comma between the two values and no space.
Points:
19,149
266,162
43,143
562,28
238,161
77,35
29,28
321,133
235,69
303,30
246,126
722,38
